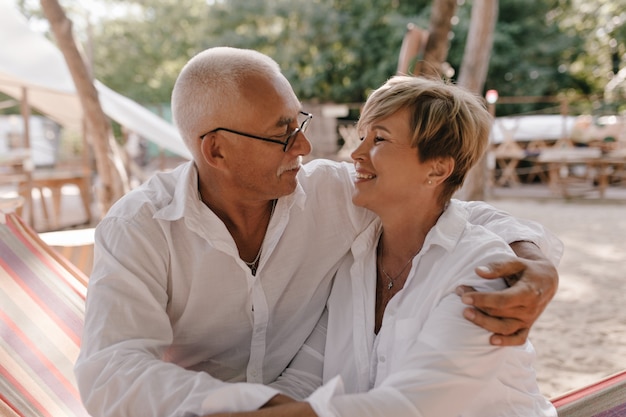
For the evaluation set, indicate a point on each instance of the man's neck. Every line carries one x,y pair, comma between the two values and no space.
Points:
246,220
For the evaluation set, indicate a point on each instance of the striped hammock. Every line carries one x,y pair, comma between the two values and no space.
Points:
604,398
42,304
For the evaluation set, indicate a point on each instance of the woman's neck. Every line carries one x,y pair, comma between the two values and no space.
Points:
402,239
404,231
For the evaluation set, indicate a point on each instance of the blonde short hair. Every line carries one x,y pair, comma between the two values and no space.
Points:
209,85
446,121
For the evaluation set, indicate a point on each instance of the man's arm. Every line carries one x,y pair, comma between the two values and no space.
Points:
122,367
509,314
532,277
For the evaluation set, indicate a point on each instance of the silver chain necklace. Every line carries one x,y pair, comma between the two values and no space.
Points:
382,268
254,265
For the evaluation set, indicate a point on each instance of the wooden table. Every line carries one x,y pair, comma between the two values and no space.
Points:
598,167
16,167
54,180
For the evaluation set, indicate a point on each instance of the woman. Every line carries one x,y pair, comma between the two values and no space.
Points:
397,344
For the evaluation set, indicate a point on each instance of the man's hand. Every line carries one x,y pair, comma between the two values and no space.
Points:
510,313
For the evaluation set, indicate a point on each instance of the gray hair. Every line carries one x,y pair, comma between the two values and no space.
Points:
209,85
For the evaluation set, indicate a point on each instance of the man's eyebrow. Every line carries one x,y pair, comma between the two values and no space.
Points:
284,121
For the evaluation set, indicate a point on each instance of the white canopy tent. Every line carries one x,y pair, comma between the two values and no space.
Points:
30,64
532,128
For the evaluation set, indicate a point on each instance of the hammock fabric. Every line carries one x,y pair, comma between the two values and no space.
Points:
42,303
605,398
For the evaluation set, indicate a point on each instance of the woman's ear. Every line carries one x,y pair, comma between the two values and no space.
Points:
211,151
441,169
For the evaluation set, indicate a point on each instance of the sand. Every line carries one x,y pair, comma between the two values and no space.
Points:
581,336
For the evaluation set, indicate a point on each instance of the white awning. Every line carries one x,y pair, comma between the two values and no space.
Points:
29,60
532,128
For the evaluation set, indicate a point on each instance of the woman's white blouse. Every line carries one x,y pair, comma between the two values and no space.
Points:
426,360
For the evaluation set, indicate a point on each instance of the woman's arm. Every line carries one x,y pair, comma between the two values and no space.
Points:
304,373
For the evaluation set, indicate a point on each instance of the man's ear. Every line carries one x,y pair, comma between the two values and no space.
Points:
211,150
441,169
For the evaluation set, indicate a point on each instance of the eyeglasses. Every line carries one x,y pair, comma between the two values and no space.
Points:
290,137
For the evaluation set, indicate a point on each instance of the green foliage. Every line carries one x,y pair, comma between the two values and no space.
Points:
528,55
330,50
338,50
141,53
601,28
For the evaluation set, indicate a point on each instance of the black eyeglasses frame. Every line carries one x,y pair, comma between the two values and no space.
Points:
285,143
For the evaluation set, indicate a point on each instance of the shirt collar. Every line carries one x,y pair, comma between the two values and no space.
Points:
185,198
445,233
298,197
449,228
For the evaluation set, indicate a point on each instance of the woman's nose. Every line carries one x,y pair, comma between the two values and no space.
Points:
360,151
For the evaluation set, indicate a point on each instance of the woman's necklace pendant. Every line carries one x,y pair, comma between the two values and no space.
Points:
390,285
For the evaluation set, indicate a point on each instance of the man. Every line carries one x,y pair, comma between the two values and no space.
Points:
214,274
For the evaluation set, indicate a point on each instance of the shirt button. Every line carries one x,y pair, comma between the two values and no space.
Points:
254,373
382,359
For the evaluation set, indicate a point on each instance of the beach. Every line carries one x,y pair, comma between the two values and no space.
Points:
581,336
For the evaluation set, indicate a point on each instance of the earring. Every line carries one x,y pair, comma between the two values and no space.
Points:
430,182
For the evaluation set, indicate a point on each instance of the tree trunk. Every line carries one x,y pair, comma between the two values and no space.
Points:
472,76
411,58
113,182
475,65
438,40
